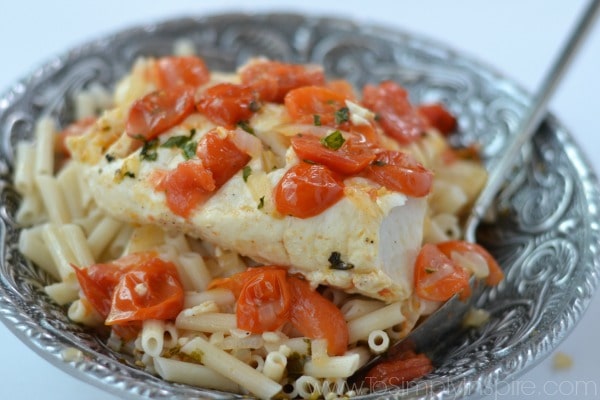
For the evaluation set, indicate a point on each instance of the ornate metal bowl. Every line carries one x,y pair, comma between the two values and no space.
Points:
546,235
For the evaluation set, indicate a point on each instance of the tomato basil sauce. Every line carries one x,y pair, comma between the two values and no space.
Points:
340,135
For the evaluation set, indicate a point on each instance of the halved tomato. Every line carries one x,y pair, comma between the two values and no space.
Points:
437,277
158,111
227,104
181,71
496,274
401,172
306,190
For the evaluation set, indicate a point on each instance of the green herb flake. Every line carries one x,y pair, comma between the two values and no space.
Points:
245,125
148,152
308,161
109,157
317,120
261,203
129,174
246,172
342,115
379,163
429,270
176,141
333,141
189,150
335,262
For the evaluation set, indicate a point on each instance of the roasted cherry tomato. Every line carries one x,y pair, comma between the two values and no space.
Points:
158,111
136,287
193,181
400,172
264,301
398,371
272,80
306,190
220,156
75,129
496,275
317,318
395,114
228,104
437,277
181,71
318,104
439,117
350,158
188,185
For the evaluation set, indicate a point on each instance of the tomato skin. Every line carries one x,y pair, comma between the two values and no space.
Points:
75,129
400,172
264,301
194,181
188,185
349,159
396,115
111,289
220,156
181,71
437,277
150,290
306,190
496,274
438,117
158,111
272,80
304,103
317,318
227,104
400,370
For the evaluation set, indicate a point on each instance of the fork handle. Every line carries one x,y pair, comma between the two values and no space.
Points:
532,119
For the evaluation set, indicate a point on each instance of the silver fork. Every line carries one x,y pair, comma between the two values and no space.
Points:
450,315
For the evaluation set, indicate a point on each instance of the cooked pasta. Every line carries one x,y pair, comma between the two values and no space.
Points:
228,271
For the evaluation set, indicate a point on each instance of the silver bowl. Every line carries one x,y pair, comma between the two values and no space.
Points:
546,234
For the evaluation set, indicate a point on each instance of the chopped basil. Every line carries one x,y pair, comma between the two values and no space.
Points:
109,157
342,115
429,270
246,126
189,150
335,261
148,152
129,174
306,160
246,172
317,120
175,141
261,203
379,163
333,141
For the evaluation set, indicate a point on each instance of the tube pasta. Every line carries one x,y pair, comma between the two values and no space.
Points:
382,318
53,199
59,249
103,234
193,374
355,308
30,211
152,337
192,267
222,297
308,387
81,311
24,178
213,322
33,247
68,181
378,341
232,368
275,364
78,244
44,146
332,367
63,292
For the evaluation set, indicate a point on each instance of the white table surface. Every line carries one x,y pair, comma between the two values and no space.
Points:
518,37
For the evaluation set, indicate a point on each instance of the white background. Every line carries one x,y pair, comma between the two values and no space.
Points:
519,38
